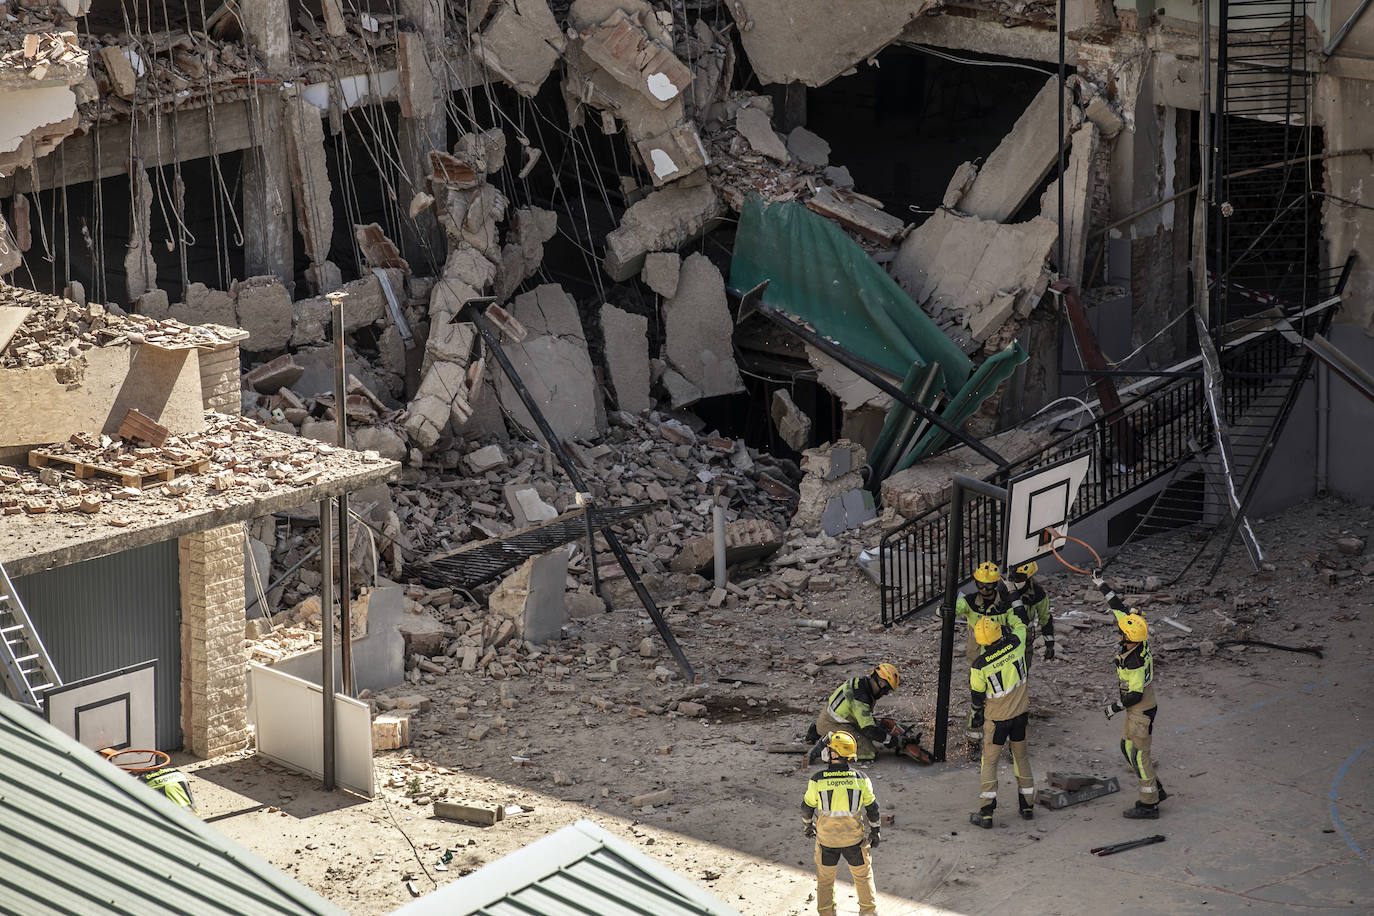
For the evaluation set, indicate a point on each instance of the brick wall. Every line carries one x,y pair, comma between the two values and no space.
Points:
214,715
219,379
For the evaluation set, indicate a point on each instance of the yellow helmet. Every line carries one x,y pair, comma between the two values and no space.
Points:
887,673
987,573
987,631
842,744
1134,628
1028,569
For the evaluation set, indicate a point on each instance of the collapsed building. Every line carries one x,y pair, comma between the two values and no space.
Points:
967,236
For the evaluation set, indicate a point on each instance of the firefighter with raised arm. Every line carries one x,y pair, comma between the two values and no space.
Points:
990,598
850,709
997,678
840,809
1135,674
1035,609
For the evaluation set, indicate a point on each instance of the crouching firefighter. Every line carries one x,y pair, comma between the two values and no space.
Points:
840,809
1135,675
850,709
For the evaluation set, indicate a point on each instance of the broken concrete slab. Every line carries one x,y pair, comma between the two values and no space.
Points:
520,44
264,310
547,309
270,377
958,186
809,147
451,343
793,426
971,274
471,217
310,184
855,393
526,505
529,228
532,597
756,127
857,213
663,220
838,175
1022,160
810,42
698,330
383,440
1078,188
423,633
627,357
673,154
622,47
661,270
558,374
377,249
747,539
440,400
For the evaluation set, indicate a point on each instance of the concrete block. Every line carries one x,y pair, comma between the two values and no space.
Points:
423,634
672,154
627,355
665,219
520,44
792,424
390,732
625,50
531,598
756,128
547,309
558,373
808,147
271,376
207,306
698,330
526,505
264,311
479,815
661,271
746,539
652,799
487,458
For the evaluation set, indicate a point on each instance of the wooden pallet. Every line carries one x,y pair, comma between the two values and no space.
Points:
129,477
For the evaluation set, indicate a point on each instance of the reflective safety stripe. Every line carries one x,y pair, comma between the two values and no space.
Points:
1148,789
1030,791
987,795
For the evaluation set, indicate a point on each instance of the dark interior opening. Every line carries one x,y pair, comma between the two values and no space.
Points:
903,127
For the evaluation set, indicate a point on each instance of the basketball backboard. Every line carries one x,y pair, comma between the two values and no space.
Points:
117,709
1041,499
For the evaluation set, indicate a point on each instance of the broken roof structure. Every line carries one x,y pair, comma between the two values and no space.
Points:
80,835
581,868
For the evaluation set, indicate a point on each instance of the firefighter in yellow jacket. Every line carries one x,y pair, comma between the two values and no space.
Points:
998,681
990,598
1035,609
840,809
1135,675
850,709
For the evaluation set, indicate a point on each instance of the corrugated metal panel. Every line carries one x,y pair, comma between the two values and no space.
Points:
109,613
80,836
582,870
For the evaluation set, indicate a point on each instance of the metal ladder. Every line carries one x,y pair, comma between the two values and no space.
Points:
27,669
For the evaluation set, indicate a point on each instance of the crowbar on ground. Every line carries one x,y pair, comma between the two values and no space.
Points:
1122,847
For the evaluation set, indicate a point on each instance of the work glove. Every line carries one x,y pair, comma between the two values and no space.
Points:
975,719
1097,578
810,830
1113,708
873,837
1049,648
893,741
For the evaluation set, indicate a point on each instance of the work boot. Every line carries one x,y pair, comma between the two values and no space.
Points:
1162,794
1027,810
1142,811
982,817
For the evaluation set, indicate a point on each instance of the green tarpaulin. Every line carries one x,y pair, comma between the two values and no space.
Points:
822,276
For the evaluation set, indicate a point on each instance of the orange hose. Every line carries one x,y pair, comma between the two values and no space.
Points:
1055,534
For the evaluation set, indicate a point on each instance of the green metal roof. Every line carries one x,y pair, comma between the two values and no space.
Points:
78,835
581,869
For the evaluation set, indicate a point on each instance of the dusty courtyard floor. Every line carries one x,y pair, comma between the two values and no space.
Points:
1266,754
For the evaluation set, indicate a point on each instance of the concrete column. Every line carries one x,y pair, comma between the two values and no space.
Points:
1342,108
423,124
268,218
214,672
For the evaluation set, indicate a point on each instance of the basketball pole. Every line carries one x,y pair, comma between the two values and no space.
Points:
954,556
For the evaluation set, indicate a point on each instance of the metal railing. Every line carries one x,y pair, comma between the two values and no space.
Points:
1169,424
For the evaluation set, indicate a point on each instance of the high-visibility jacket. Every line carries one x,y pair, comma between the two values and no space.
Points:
997,676
840,800
853,702
1135,665
1036,602
173,784
969,606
